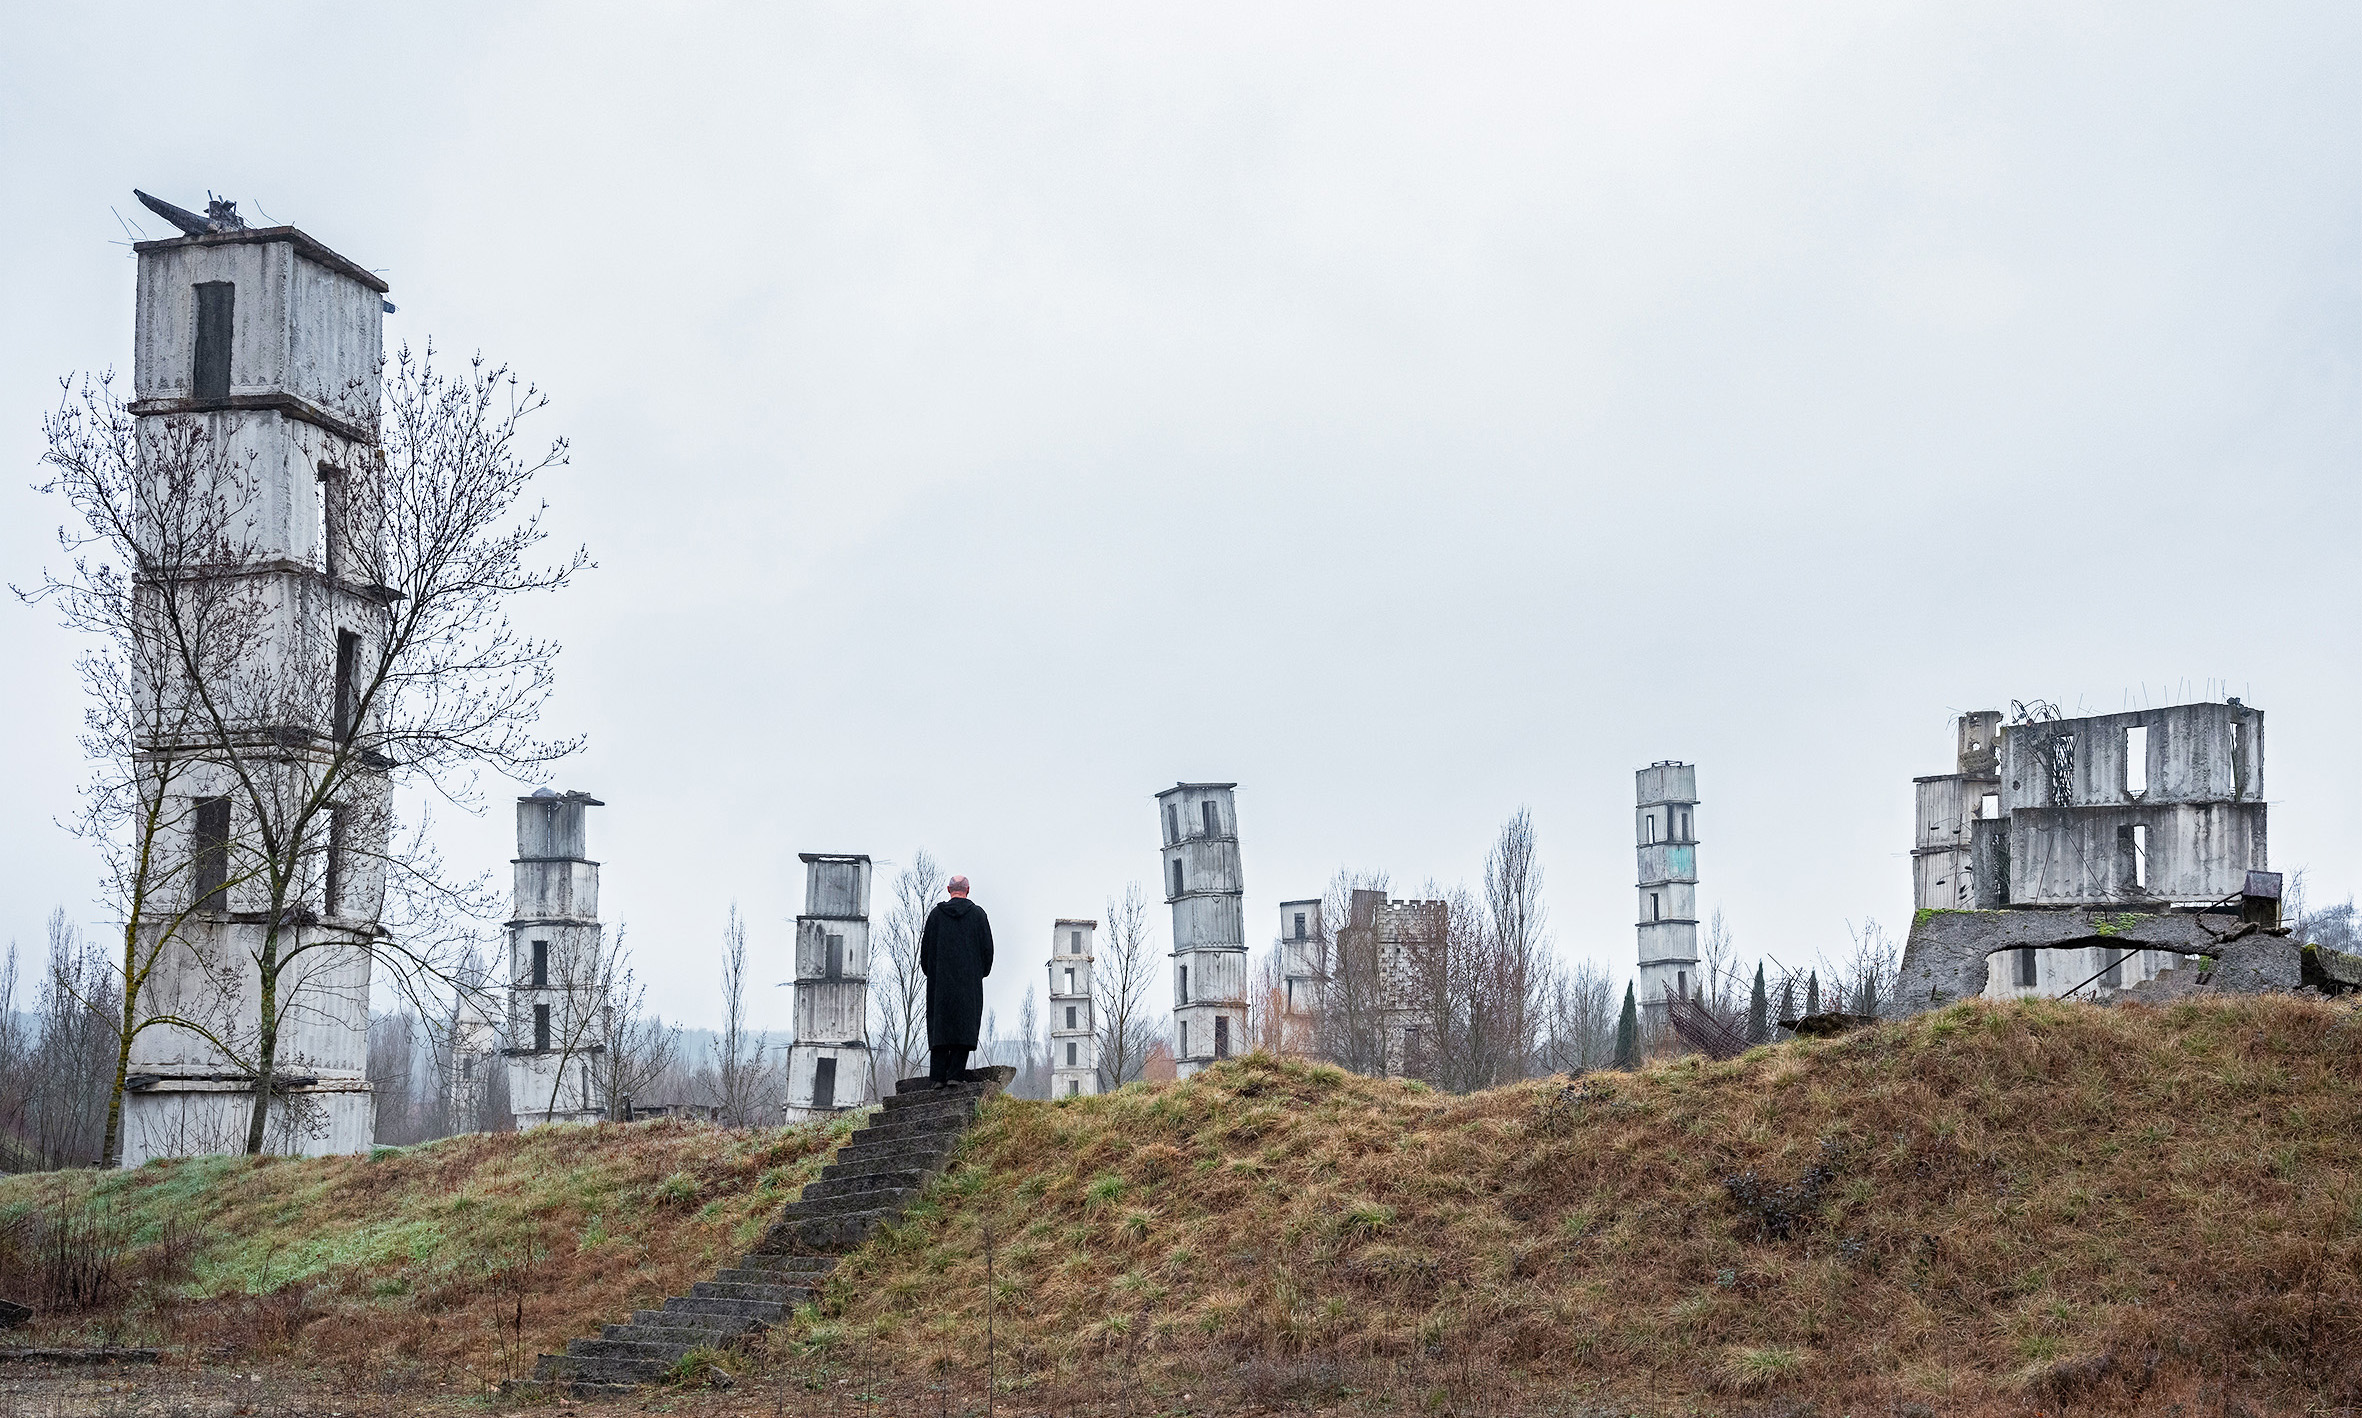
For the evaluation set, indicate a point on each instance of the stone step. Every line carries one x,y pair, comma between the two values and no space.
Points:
925,1126
684,1336
927,1157
876,1199
859,1182
789,1282
580,1369
856,1154
633,1348
768,1311
719,1289
719,1329
842,1232
959,1111
814,1266
916,1088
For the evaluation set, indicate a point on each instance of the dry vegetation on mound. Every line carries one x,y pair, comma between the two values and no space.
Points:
454,1262
2012,1206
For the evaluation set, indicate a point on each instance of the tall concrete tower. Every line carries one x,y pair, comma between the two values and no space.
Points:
829,1067
255,359
557,984
1202,884
1666,836
1304,965
1074,1029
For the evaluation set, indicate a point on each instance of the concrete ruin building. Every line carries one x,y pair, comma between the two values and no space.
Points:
263,346
1665,836
1373,995
1202,885
557,965
2085,856
1303,966
829,1068
1074,1028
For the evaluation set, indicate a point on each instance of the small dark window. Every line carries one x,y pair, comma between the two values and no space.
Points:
541,1028
2112,977
1185,986
333,520
1655,913
1172,823
210,862
1176,876
1070,1047
1221,1036
1184,1028
2027,968
1074,946
211,376
541,964
824,1083
348,659
1074,1087
1299,925
1212,816
467,1067
1070,1020
835,968
1681,983
1685,827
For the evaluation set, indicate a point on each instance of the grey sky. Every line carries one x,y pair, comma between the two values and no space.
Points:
987,415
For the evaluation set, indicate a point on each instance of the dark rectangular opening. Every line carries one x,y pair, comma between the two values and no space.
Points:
824,1083
332,893
348,659
333,530
1212,816
1184,985
210,379
1070,1020
1070,1051
541,964
210,861
1299,925
541,1028
1176,876
2027,968
835,966
2112,974
1221,1036
1172,823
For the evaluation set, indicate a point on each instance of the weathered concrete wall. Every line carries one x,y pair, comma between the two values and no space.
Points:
831,1007
2196,753
1946,958
1074,1036
1199,827
2196,852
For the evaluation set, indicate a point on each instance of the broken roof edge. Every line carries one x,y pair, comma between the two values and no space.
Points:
1075,921
1185,787
832,856
308,246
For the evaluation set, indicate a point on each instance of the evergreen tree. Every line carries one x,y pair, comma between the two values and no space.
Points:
1759,1011
1628,1032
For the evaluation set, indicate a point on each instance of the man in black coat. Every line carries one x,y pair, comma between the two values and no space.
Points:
955,954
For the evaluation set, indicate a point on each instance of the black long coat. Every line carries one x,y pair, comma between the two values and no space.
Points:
955,954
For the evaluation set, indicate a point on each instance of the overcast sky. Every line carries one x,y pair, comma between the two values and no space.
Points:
987,415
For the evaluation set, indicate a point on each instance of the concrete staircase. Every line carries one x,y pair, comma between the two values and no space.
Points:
873,1177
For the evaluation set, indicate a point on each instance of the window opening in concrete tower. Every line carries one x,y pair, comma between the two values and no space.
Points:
1212,816
2136,761
332,880
1655,908
333,522
2027,968
210,861
1685,827
1070,1016
210,376
541,1028
824,1083
1184,1031
1070,1055
1074,1087
1681,983
1074,946
834,967
1221,1036
348,659
1172,823
1070,979
541,964
1299,925
1648,829
2112,974
1184,977
1176,876
2140,856
1989,807
2238,759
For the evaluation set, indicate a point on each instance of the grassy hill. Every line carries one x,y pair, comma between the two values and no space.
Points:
2033,1206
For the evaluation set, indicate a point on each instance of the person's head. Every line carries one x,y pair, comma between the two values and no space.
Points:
958,886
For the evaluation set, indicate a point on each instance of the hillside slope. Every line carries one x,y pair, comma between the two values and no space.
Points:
1990,1208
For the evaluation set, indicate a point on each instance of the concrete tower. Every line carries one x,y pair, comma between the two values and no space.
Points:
257,349
1074,1029
828,1066
556,985
1667,841
1303,965
1202,884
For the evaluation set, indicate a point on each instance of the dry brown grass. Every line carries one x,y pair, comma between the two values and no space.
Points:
2023,1206
455,1262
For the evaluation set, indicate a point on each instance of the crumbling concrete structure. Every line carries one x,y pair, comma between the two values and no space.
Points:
557,964
1379,951
2086,856
829,1068
1303,956
1203,886
1665,836
1074,1028
268,344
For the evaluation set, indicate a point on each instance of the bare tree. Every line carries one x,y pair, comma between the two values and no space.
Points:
307,725
900,994
1031,1083
1120,980
1518,947
1582,1027
1718,966
1869,976
737,1067
1356,991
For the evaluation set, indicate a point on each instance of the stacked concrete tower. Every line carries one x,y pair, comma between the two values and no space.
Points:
829,1067
1304,967
557,985
1202,885
1074,1032
256,361
1665,833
